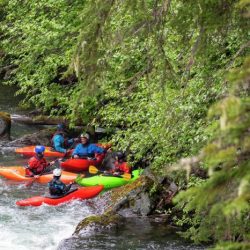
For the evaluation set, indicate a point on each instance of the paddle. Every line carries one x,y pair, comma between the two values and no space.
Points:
94,170
30,182
69,151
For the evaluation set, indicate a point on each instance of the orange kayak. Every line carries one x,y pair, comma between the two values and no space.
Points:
49,152
17,173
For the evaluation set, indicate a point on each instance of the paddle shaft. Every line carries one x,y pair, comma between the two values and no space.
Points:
29,183
94,170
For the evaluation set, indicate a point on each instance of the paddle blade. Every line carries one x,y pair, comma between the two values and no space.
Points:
93,170
126,176
30,182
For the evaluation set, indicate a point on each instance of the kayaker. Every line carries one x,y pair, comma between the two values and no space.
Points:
56,186
37,164
86,149
121,166
59,141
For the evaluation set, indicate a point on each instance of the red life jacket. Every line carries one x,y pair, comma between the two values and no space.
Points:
122,167
35,166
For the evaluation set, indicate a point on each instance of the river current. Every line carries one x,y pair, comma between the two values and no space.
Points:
51,227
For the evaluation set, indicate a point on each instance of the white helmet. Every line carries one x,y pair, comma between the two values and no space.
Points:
57,172
86,135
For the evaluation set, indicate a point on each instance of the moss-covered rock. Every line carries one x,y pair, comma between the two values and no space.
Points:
106,221
42,137
139,198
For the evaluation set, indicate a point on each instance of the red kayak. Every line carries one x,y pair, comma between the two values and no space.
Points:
49,152
78,165
80,193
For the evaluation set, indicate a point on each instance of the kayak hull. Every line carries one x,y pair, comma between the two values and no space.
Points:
49,151
107,181
81,193
79,165
17,173
29,151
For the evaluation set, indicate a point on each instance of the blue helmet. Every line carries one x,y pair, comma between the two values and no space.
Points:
39,149
60,126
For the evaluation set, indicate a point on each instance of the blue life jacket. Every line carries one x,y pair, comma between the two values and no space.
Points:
59,143
87,150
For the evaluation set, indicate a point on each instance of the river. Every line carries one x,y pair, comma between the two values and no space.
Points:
51,227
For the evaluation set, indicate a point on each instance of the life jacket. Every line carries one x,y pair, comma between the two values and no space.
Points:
122,167
89,150
65,143
35,166
57,187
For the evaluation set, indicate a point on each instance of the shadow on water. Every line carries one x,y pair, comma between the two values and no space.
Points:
135,234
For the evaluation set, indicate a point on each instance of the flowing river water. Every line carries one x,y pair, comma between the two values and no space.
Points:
51,227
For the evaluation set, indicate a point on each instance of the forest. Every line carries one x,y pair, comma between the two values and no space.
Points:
168,79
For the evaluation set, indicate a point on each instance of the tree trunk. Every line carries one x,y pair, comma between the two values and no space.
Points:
5,125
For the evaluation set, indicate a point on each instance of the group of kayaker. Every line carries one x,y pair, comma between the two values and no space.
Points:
38,165
83,149
59,142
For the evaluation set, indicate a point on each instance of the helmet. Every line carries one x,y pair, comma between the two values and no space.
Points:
120,155
39,149
85,135
61,126
57,172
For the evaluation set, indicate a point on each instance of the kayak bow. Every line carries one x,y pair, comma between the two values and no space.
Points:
107,181
49,152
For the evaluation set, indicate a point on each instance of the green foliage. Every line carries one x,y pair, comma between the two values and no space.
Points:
224,197
39,38
233,246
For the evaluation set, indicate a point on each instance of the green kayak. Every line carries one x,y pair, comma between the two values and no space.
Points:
107,181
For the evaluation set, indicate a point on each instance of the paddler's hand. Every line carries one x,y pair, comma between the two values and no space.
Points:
116,174
76,157
36,176
51,163
107,173
68,152
76,140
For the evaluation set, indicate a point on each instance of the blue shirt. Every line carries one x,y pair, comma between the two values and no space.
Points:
88,150
58,143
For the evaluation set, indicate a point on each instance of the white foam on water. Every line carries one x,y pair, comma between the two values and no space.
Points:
36,228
